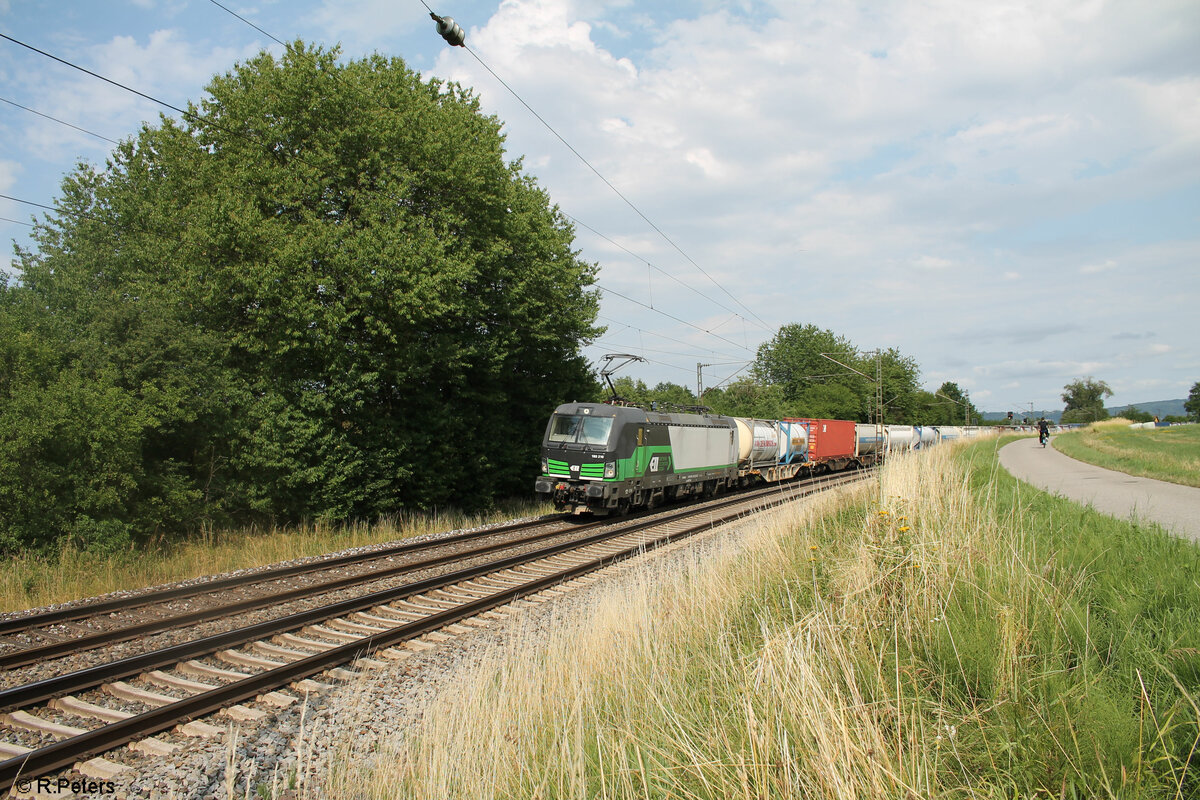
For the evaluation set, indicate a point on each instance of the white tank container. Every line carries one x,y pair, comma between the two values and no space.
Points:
927,435
950,432
758,440
901,437
867,439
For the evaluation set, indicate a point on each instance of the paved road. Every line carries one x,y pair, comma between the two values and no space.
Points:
1175,507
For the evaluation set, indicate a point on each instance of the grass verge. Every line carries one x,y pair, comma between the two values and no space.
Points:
972,638
1167,454
33,580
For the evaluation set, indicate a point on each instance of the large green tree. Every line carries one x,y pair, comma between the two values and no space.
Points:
811,384
1084,400
325,293
1192,404
814,386
949,405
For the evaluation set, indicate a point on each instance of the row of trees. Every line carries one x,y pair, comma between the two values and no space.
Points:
1084,399
323,294
791,378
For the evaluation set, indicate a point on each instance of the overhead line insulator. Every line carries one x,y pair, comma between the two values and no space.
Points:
450,30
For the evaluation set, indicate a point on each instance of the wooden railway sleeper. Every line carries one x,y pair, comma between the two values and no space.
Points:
293,640
331,633
275,651
373,619
350,626
462,595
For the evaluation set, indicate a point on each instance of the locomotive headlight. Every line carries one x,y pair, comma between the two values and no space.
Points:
545,466
610,469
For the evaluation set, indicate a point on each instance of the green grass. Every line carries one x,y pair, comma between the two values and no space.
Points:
1167,454
973,638
34,580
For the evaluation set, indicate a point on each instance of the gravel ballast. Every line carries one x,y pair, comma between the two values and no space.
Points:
287,753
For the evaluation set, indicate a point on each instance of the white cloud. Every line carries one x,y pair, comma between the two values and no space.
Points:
932,263
1094,269
931,173
8,174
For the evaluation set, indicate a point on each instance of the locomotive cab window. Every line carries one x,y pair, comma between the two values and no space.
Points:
578,429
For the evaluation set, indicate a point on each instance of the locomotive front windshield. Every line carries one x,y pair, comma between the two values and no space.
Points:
579,429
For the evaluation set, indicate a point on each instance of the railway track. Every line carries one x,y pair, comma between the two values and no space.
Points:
17,623
43,637
132,699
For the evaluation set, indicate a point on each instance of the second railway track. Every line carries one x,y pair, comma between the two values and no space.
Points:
32,638
162,689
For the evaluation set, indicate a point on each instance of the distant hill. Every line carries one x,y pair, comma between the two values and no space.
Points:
1159,408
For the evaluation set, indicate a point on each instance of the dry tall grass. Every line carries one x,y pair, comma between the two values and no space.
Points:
834,651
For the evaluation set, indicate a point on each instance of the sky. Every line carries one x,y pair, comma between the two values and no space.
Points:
1008,192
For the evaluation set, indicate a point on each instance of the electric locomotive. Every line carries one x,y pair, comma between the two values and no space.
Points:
607,458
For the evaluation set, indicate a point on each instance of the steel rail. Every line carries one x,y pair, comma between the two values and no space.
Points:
90,677
69,751
23,623
41,652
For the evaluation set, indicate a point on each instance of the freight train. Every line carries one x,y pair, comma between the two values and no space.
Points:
601,459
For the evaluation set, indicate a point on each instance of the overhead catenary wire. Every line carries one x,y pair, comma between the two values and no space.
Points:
672,316
665,364
603,179
702,352
59,121
248,22
615,190
653,266
43,205
641,347
97,75
188,115
730,377
205,122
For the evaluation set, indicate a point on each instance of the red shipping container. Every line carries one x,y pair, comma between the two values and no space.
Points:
829,438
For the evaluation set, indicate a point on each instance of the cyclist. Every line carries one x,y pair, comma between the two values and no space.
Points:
1043,431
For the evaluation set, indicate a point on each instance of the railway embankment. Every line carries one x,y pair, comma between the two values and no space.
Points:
969,635
270,665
